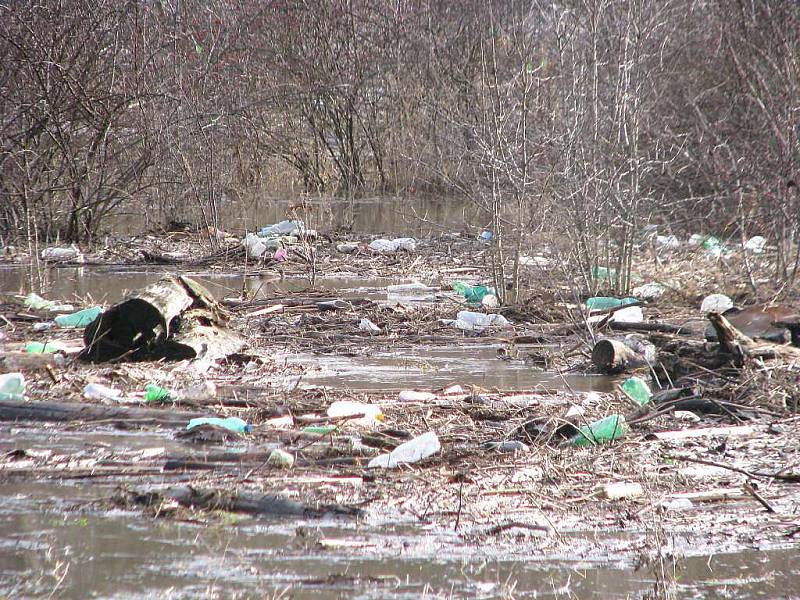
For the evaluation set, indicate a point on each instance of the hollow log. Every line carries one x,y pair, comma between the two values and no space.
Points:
614,356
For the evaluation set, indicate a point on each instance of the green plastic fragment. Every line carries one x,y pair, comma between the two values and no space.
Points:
605,302
608,429
474,294
234,424
637,390
82,318
155,394
320,429
44,347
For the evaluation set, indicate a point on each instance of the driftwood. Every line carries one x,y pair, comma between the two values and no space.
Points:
172,318
740,347
253,504
11,410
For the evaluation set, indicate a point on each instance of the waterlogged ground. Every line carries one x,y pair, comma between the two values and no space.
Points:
56,542
61,538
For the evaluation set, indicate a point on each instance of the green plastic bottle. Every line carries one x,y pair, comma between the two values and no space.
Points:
234,424
611,428
637,390
605,302
473,293
320,429
44,348
154,393
82,318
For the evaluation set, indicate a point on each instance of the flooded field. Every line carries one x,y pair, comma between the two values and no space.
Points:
475,522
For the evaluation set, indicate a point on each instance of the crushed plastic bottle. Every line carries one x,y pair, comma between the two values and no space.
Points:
667,242
82,318
637,390
234,424
649,291
604,430
98,391
716,303
368,326
373,414
473,321
280,459
485,236
474,294
295,227
12,386
254,246
605,302
384,246
157,394
44,347
410,452
62,254
36,302
756,244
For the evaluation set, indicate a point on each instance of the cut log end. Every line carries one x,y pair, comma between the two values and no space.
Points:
613,356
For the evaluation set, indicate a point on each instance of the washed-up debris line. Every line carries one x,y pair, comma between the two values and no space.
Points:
704,410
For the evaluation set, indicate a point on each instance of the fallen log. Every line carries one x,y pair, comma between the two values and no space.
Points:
63,412
253,504
733,342
617,355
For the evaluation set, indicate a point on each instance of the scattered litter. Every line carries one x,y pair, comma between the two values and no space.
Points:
686,416
716,303
71,254
474,294
677,504
668,242
294,228
649,291
384,246
620,490
12,386
98,391
606,303
415,396
485,236
372,414
82,318
472,321
281,255
609,429
409,452
45,347
280,459
507,446
36,302
575,411
234,424
368,326
756,244
637,390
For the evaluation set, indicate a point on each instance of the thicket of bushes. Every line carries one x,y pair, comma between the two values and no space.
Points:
585,117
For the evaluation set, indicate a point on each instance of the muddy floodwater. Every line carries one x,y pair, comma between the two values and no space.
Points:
58,539
53,542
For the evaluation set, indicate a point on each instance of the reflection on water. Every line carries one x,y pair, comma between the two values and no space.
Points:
120,555
433,367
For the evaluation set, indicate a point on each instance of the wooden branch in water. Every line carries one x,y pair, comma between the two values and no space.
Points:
253,504
614,356
63,412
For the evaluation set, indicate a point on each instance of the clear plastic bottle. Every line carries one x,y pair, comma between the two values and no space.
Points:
82,318
234,424
12,386
412,451
98,391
